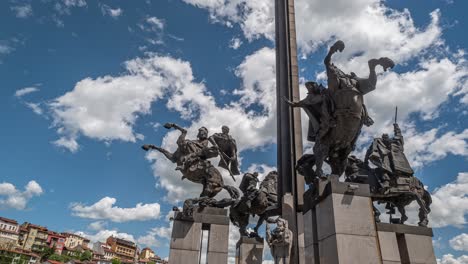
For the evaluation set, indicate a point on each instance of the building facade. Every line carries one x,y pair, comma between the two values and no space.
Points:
73,240
124,249
147,253
9,231
57,241
33,237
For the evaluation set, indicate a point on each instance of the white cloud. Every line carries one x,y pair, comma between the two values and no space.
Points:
450,203
25,91
102,235
107,108
23,11
255,17
68,143
105,209
460,242
450,259
431,145
112,12
5,48
63,7
155,23
97,226
10,197
421,90
35,108
235,43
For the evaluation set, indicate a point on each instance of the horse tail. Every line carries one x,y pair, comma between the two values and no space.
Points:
233,192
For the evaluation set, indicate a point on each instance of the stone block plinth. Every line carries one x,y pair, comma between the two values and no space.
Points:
405,244
187,235
339,226
249,250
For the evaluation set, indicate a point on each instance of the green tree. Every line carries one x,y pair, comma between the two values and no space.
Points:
86,256
46,252
151,262
116,261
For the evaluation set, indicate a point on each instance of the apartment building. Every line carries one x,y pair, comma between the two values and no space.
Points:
73,240
9,231
124,249
33,237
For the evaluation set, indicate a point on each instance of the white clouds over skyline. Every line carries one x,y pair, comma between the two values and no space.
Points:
105,209
10,197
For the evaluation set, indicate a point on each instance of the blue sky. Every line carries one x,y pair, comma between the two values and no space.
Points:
85,83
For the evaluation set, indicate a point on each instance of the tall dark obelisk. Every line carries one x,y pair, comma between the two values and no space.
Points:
289,141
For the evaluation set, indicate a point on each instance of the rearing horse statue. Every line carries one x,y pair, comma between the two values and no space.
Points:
337,114
192,159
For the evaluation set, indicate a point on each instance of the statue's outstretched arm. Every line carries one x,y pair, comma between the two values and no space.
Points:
333,81
367,85
397,134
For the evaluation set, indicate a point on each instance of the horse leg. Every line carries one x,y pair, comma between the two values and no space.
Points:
169,156
260,222
402,210
423,212
376,214
320,152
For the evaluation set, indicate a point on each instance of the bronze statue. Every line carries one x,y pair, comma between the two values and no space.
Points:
392,181
261,201
338,113
387,154
227,151
279,240
192,159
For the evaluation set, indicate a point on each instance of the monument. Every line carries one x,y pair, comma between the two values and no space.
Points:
342,225
204,213
333,222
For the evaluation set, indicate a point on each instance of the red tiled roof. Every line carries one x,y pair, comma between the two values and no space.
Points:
54,262
8,220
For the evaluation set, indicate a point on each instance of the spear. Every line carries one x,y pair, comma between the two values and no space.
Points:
396,113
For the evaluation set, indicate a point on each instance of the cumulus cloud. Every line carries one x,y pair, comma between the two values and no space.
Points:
460,242
155,23
5,48
450,203
25,91
112,12
235,43
10,197
106,108
97,226
36,108
102,235
22,11
450,259
256,18
105,209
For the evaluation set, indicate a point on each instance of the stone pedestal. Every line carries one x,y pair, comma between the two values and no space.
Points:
249,250
403,244
186,239
340,229
340,226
